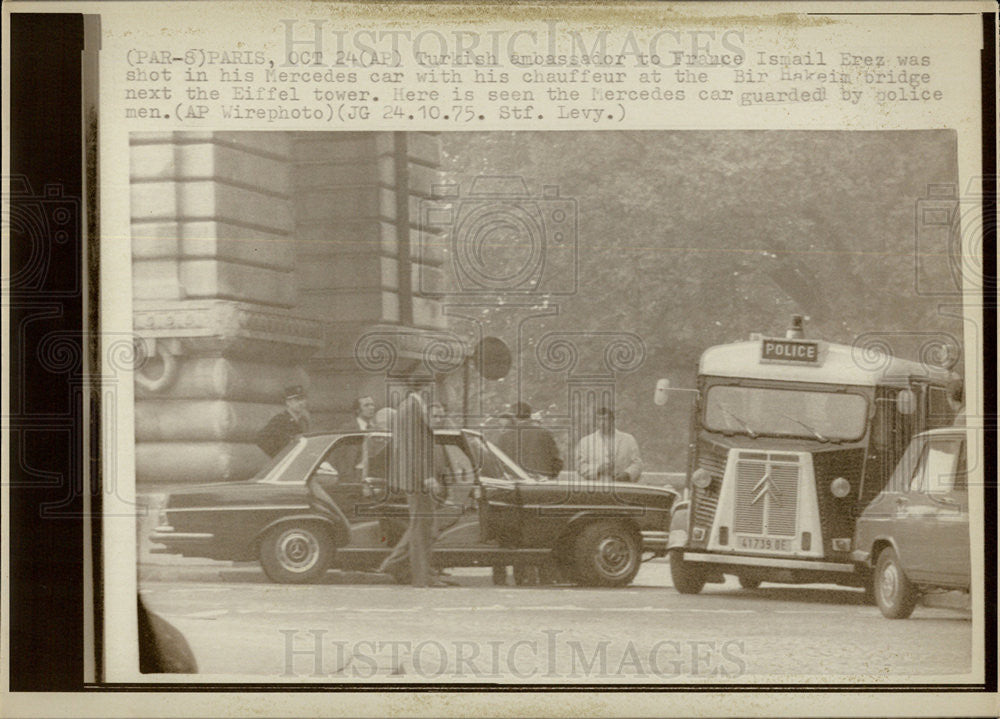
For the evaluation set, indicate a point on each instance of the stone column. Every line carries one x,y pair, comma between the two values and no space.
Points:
215,300
362,263
262,259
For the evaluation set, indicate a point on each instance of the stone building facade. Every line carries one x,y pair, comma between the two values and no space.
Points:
263,259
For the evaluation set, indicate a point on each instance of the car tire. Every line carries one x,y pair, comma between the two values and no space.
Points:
548,573
296,553
749,582
895,595
500,575
688,578
868,598
606,554
525,574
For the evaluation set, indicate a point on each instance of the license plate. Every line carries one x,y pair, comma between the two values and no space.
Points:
770,544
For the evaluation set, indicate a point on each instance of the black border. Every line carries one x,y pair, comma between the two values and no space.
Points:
46,588
989,279
46,151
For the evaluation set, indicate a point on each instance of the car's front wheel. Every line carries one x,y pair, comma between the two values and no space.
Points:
296,553
894,593
688,578
606,554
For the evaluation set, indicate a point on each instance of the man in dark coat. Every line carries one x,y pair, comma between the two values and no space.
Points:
531,445
286,425
412,471
534,448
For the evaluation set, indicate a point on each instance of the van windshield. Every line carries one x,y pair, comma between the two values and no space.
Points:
754,411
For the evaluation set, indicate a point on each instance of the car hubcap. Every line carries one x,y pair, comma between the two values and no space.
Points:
889,583
298,550
613,556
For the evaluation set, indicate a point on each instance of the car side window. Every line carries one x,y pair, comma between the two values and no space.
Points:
906,471
938,468
343,460
377,456
939,410
459,467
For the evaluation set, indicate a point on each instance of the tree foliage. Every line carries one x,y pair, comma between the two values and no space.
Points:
689,239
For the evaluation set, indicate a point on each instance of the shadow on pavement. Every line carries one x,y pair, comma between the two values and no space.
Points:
806,595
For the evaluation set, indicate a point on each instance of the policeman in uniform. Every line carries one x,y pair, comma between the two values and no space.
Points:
286,425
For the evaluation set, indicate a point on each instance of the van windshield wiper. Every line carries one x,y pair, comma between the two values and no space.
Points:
800,423
743,422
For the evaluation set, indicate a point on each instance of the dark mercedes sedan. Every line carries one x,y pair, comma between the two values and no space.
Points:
322,502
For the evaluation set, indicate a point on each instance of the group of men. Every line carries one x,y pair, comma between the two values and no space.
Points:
607,454
295,420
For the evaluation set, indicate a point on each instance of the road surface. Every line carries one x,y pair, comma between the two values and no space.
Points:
355,629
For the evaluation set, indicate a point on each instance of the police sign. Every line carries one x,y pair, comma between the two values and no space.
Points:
786,350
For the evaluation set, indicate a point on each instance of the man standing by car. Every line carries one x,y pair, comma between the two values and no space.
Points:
531,445
285,426
412,471
608,454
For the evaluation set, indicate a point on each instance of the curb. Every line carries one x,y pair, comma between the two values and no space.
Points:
244,573
199,573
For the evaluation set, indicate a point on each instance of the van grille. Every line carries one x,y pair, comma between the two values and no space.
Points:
767,495
712,459
705,502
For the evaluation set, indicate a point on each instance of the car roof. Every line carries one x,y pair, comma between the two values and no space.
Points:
444,432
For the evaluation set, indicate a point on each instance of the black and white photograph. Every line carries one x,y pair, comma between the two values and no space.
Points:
538,358
638,407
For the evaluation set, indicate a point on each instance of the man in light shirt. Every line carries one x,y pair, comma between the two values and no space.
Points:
608,454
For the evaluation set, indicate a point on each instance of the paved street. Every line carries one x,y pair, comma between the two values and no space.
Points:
351,629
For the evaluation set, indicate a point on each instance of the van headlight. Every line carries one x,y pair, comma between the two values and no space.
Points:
701,478
840,488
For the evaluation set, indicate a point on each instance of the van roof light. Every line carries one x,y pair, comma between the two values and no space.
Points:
796,330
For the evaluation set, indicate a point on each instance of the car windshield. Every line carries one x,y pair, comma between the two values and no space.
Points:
754,411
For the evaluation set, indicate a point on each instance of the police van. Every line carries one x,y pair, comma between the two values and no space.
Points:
791,438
